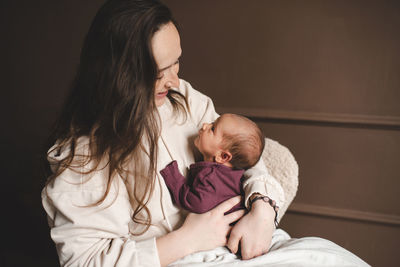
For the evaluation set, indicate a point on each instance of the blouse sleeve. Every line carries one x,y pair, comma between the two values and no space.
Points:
258,179
93,235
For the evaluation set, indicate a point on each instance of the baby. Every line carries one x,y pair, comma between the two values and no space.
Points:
229,146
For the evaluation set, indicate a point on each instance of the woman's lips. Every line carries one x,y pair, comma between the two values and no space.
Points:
162,94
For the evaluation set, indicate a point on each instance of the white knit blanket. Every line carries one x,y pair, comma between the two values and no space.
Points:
284,251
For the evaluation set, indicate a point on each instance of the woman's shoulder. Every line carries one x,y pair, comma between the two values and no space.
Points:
190,93
201,106
77,154
83,173
57,153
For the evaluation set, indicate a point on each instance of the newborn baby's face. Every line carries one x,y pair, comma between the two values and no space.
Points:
210,137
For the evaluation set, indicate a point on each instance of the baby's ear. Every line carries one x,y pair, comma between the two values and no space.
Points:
223,157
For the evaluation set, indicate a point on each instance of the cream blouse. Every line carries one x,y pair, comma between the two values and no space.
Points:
104,235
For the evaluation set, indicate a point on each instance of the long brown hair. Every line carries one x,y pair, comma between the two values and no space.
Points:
112,99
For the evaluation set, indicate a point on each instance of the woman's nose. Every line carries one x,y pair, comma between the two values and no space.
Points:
173,79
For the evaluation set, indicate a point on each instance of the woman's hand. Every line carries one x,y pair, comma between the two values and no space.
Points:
211,229
199,232
254,231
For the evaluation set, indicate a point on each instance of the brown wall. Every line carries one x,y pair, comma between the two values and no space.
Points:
321,77
39,51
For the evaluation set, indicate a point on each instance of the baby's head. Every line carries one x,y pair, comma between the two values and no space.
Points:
232,140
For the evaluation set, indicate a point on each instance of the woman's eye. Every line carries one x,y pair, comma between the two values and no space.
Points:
212,128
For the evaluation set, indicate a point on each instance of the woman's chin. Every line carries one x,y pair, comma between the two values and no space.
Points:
160,98
160,101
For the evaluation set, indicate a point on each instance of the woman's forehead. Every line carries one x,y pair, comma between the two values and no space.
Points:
166,46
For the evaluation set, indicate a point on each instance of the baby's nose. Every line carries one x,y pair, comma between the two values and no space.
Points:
204,126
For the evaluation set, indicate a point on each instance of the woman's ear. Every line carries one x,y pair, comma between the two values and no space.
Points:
223,157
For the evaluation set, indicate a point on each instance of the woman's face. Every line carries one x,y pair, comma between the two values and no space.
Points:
166,45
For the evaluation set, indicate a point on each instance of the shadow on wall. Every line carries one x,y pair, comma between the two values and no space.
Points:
40,48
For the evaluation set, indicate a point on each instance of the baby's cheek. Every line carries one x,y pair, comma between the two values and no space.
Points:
196,141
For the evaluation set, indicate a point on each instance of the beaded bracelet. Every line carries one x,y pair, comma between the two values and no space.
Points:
271,202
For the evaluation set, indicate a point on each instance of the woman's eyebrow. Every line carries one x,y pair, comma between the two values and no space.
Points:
167,67
161,70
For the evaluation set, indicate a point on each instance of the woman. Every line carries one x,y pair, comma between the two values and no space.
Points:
127,116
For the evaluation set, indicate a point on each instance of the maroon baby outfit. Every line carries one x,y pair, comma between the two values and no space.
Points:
207,185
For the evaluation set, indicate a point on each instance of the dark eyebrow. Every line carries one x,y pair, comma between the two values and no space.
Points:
167,67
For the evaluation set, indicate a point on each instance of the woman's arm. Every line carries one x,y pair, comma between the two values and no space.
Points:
254,231
199,232
100,235
254,240
258,180
95,235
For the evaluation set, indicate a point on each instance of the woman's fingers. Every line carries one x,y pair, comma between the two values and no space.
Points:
211,229
233,242
234,237
234,216
227,205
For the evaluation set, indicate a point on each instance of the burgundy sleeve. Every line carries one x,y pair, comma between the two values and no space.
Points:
205,193
174,180
199,198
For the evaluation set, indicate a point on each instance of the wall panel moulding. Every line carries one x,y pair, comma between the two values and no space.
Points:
345,120
369,217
